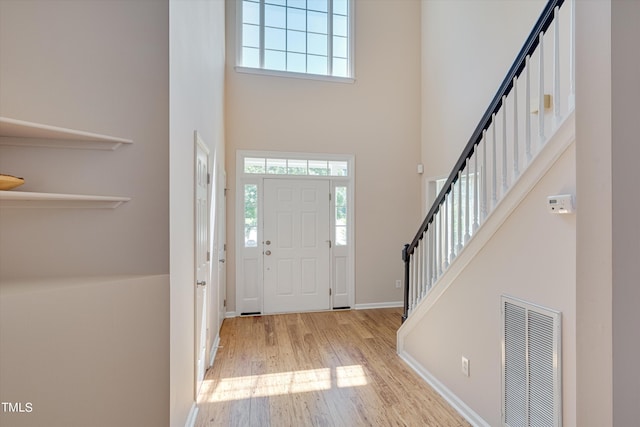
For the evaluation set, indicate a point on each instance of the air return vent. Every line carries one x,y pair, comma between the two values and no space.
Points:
531,355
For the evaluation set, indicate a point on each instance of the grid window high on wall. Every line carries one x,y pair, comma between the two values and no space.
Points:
305,37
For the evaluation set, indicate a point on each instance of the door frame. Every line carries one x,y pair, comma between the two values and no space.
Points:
249,260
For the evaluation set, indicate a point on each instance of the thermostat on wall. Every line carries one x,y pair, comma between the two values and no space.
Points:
562,204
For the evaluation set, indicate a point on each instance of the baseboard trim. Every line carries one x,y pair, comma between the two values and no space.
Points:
369,306
230,315
193,415
456,403
214,350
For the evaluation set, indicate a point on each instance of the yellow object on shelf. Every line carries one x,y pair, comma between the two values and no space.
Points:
7,182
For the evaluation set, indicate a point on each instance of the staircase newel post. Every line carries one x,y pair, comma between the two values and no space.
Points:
405,258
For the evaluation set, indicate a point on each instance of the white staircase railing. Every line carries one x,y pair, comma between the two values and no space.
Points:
526,110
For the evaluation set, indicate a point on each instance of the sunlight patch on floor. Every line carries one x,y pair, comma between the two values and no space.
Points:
350,376
246,387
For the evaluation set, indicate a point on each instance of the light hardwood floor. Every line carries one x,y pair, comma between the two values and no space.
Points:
317,369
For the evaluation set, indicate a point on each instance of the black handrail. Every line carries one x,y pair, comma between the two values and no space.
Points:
530,45
543,23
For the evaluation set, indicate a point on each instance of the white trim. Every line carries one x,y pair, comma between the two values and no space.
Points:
292,74
230,315
23,133
372,305
456,403
193,415
214,350
26,199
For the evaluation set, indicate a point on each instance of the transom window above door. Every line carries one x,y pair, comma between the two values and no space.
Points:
304,37
283,166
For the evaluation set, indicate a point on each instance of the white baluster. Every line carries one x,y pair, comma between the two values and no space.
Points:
476,190
449,224
516,151
484,176
420,271
440,243
494,167
423,266
445,231
527,103
428,243
428,263
423,252
459,193
437,255
412,281
452,256
541,94
556,67
572,57
428,254
434,266
435,231
433,263
418,258
504,144
413,278
467,209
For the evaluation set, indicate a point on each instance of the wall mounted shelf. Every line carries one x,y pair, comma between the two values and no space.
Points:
23,133
23,199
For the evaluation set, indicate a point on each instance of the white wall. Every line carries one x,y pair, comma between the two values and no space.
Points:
530,257
87,350
377,119
467,49
197,91
101,67
625,33
594,303
608,237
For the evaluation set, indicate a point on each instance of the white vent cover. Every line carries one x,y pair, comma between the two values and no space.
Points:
531,356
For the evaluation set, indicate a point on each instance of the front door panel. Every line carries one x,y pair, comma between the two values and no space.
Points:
296,246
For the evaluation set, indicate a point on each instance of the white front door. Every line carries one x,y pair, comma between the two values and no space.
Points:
296,248
201,232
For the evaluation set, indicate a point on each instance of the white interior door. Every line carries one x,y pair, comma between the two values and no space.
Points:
201,257
297,245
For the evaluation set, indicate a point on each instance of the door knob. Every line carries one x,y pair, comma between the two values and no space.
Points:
268,242
201,283
267,253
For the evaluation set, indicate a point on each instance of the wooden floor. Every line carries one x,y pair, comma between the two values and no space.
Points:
317,369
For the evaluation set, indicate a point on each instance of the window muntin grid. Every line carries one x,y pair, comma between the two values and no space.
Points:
298,167
302,36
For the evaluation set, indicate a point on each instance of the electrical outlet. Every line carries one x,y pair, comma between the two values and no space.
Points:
398,284
465,366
